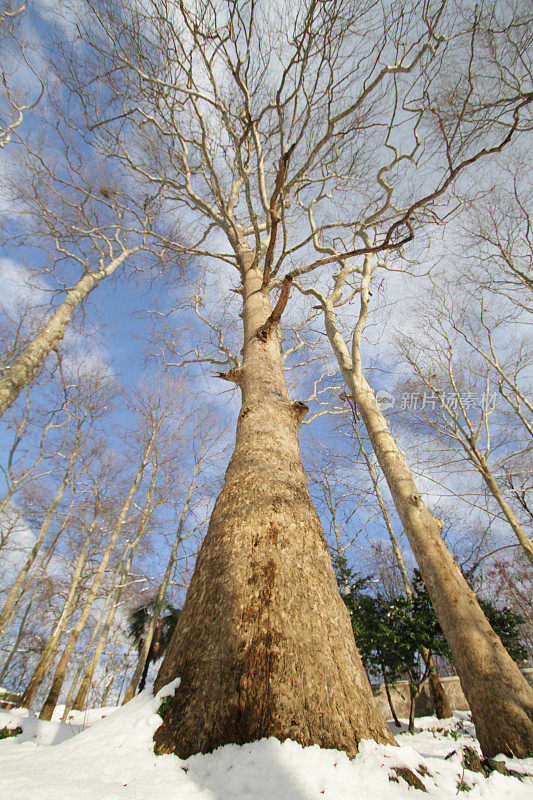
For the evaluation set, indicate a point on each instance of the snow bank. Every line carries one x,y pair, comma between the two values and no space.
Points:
113,759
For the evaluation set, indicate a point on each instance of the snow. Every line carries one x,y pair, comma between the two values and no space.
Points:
106,754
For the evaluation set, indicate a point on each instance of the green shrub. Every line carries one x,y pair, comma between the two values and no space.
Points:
165,705
5,733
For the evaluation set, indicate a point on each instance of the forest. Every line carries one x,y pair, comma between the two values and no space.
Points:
265,389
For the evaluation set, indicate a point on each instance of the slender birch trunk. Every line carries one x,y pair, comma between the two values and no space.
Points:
59,674
102,639
499,696
25,367
158,605
438,695
95,633
481,462
89,674
389,700
15,589
14,649
264,644
52,697
51,648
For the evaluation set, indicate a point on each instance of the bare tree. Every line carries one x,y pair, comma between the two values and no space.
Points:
440,701
151,413
21,467
455,604
457,399
496,232
335,490
95,633
277,132
77,215
73,598
120,578
83,406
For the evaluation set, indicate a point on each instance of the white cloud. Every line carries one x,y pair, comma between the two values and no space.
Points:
20,287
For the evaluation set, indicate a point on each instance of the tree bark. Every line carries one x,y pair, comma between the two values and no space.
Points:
25,367
499,696
264,645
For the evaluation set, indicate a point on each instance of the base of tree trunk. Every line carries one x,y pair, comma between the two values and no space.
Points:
438,694
440,700
391,706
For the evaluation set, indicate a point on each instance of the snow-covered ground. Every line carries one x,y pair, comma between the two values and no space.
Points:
106,754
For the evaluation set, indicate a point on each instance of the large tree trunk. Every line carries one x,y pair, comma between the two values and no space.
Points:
264,645
499,696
